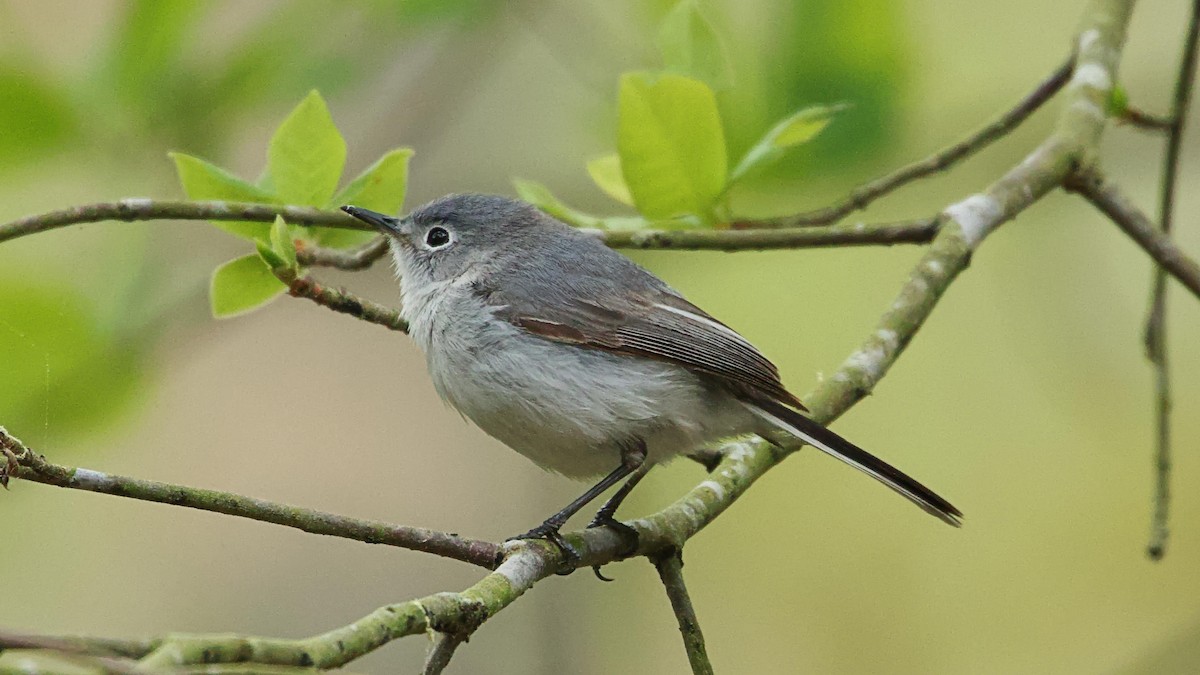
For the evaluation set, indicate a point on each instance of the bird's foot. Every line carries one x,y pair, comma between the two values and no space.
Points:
628,534
550,532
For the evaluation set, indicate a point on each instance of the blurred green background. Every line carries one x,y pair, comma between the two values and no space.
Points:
1025,400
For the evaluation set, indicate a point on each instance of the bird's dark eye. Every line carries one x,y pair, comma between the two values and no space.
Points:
437,237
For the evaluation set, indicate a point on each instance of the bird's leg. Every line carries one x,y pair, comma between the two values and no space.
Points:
632,458
606,516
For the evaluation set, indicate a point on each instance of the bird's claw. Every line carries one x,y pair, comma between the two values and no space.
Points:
550,533
625,532
8,466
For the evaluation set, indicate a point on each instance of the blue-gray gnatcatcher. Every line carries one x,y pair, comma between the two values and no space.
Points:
579,359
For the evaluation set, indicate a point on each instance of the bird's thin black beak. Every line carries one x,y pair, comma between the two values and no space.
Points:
385,224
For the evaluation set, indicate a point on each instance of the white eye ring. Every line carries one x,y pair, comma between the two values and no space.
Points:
438,237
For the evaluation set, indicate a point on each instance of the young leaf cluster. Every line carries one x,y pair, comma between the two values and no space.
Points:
305,160
671,163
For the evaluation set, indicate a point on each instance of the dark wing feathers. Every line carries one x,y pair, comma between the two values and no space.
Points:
646,319
821,438
697,345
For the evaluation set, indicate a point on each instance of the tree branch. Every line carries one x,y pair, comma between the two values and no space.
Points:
135,209
1156,331
82,654
129,649
729,240
353,260
1112,202
441,651
340,300
34,467
857,234
669,564
860,197
1144,120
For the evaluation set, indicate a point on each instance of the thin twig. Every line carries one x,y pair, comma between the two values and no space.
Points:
353,260
441,651
34,467
72,650
129,649
244,669
341,300
1156,330
1108,197
866,193
1155,341
857,234
669,564
135,209
1144,120
756,239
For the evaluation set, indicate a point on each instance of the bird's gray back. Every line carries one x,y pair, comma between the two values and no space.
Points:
568,264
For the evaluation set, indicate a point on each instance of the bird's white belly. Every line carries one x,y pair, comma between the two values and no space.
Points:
568,408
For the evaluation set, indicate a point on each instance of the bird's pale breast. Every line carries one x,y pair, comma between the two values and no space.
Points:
567,408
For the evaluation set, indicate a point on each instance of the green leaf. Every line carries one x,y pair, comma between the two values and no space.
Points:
606,173
801,127
690,46
539,195
829,51
282,244
671,144
306,155
269,256
242,285
202,181
381,187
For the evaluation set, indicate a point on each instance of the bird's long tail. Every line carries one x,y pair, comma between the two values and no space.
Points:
826,441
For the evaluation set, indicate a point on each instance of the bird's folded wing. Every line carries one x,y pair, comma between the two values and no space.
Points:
652,323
